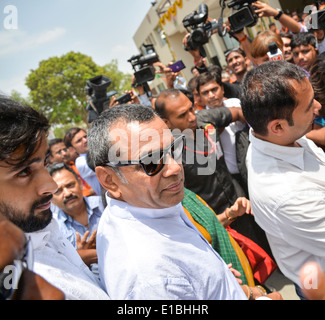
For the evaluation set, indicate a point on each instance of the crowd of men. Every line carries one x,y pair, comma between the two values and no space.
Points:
167,200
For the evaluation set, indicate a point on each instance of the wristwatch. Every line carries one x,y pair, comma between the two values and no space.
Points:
277,17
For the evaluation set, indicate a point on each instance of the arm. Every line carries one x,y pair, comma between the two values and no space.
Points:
264,10
237,114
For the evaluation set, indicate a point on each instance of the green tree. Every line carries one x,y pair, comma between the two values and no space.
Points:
57,86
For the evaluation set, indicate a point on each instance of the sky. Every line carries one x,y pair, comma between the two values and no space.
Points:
101,29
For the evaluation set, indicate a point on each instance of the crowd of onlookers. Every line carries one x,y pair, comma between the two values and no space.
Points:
143,233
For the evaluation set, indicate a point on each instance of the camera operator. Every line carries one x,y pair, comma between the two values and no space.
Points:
265,10
262,10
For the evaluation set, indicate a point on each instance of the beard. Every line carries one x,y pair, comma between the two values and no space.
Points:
30,222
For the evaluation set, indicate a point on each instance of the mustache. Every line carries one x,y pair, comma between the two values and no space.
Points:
69,198
42,201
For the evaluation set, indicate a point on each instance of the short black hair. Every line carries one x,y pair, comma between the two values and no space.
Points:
99,140
58,166
304,39
20,126
211,75
69,135
268,94
53,142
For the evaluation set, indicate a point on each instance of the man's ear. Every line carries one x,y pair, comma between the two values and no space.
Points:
167,122
276,127
109,181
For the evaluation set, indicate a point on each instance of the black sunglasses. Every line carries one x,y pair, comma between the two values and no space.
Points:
153,163
11,274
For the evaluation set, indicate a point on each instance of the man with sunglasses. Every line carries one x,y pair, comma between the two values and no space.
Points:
147,247
205,168
26,191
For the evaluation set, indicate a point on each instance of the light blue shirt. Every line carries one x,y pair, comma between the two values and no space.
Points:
159,254
70,226
87,174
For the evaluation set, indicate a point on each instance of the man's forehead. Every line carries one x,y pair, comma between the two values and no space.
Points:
14,163
303,47
137,138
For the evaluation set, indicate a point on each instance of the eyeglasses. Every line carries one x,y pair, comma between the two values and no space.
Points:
11,274
153,163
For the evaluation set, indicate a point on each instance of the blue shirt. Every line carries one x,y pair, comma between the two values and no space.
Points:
70,226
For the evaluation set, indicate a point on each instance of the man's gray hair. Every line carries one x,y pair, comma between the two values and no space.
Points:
99,141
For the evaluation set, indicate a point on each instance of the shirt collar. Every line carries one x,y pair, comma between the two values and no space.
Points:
42,237
126,211
293,155
92,203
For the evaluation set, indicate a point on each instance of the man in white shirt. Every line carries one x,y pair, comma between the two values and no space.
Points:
26,190
285,169
147,247
211,91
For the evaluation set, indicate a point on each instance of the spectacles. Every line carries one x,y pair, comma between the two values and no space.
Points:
11,274
153,163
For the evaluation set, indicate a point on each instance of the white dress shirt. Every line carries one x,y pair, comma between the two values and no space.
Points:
158,254
287,192
58,262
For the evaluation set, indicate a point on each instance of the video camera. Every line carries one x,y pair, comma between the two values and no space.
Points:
200,32
143,65
244,16
96,96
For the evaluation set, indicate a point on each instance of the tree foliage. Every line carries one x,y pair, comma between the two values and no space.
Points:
57,85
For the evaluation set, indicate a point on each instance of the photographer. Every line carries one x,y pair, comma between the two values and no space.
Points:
262,10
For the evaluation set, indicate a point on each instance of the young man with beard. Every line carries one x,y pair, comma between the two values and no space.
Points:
26,191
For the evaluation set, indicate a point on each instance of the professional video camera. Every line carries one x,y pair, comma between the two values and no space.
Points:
244,16
200,32
97,97
142,64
